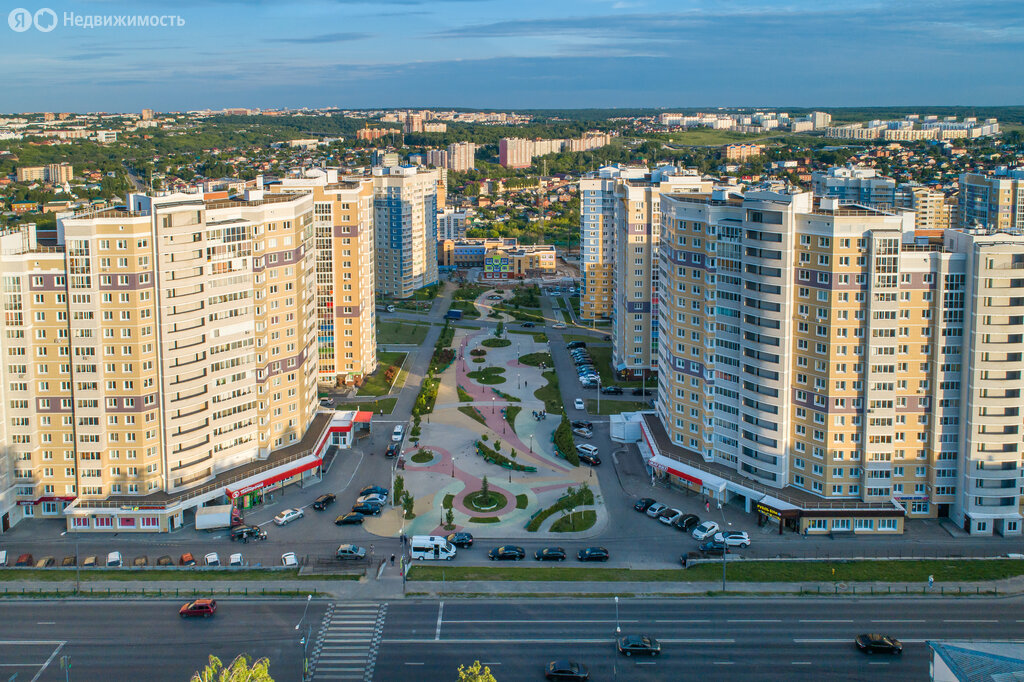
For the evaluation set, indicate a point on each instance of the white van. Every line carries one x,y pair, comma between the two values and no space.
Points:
432,547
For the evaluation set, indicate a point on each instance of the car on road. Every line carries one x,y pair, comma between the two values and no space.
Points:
290,560
198,607
398,433
390,309
686,522
324,501
529,325
212,559
350,552
558,325
236,560
733,538
393,450
669,516
578,404
611,390
368,508
879,644
372,498
243,533
461,539
592,554
645,393
705,530
643,645
588,454
643,504
327,402
3,557
25,560
349,519
654,511
187,559
507,553
46,562
583,433
581,424
494,298
575,344
549,554
566,670
712,548
374,490
288,515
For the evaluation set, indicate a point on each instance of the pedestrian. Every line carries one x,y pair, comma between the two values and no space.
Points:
684,560
392,559
707,506
931,581
371,550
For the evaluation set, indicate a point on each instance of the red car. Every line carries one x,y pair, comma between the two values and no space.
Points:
24,560
199,607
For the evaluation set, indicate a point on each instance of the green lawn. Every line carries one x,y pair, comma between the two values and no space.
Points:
468,292
535,359
488,375
577,521
602,356
510,413
495,343
377,383
472,413
550,394
614,406
401,332
469,311
574,301
588,339
385,404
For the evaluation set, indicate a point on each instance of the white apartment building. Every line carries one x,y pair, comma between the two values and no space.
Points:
405,225
461,156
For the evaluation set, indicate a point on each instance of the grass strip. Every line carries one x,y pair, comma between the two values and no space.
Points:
576,522
160,574
484,519
537,359
522,501
550,393
382,406
473,413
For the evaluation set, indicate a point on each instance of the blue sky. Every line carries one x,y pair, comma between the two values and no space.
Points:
523,54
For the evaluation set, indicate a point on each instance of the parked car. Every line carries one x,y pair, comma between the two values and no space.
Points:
593,554
879,644
324,501
581,424
643,504
372,498
646,393
187,559
398,433
25,560
165,560
549,554
140,561
92,561
638,645
712,548
611,390
350,552
68,561
3,557
393,450
236,560
669,516
348,519
461,539
212,559
46,562
528,325
374,490
327,402
583,433
290,560
390,308
368,508
288,515
575,344
733,538
199,607
588,454
243,533
705,530
506,553
566,670
654,511
686,522
114,559
578,404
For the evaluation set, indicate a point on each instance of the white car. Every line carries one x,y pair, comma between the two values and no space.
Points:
705,530
114,560
398,433
289,559
654,511
583,433
733,538
578,404
287,516
558,325
212,559
373,498
669,516
236,560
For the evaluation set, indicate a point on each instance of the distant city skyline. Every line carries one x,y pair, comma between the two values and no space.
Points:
530,54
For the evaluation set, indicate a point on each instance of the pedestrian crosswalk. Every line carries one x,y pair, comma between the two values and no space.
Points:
346,647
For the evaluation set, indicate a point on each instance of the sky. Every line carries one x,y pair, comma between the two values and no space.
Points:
522,54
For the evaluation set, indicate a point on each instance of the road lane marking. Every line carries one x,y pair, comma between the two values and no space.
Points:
847,640
801,662
646,663
598,620
723,662
902,620
878,663
969,620
440,614
548,640
415,663
753,620
680,620
825,620
46,622
49,661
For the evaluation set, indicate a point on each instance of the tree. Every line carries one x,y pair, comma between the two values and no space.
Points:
240,670
398,492
475,673
449,519
407,505
484,488
499,330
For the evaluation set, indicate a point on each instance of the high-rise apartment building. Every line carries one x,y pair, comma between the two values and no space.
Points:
461,156
621,222
993,201
159,353
930,207
147,114
515,152
405,226
452,223
345,272
413,122
438,158
855,185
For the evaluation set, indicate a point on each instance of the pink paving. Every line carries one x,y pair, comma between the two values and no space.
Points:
471,484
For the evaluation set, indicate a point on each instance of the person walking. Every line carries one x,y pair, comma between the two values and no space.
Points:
392,559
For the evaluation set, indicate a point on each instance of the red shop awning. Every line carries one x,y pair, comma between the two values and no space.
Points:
275,478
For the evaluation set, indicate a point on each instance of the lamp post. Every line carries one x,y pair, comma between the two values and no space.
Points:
618,630
531,443
78,564
492,404
304,641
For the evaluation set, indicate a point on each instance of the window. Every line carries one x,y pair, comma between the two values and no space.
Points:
864,524
886,524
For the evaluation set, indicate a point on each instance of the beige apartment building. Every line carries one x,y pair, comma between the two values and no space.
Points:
405,225
993,201
823,370
345,272
157,356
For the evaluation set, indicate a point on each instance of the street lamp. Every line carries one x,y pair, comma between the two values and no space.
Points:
531,443
618,630
78,564
304,641
492,404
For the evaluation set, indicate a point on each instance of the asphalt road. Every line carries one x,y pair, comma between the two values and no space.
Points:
717,640
147,640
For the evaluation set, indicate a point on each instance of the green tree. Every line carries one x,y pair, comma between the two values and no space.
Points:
499,330
242,669
485,488
475,673
407,504
398,492
449,519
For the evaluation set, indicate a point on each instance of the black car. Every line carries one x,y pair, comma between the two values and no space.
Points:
367,509
324,501
611,390
575,344
582,424
373,490
566,670
686,522
243,533
528,325
879,644
592,460
642,392
712,548
461,539
393,450
644,503
348,519
550,554
593,554
638,644
507,553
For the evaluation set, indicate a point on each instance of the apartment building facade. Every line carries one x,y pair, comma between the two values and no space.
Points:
345,272
405,226
855,185
157,354
461,156
994,201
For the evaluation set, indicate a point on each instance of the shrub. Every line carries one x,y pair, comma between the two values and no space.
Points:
495,343
573,498
495,457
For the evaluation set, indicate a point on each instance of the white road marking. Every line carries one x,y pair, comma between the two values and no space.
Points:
801,662
878,663
969,620
599,620
723,662
545,640
681,620
903,620
48,661
414,663
440,615
753,620
825,620
46,622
